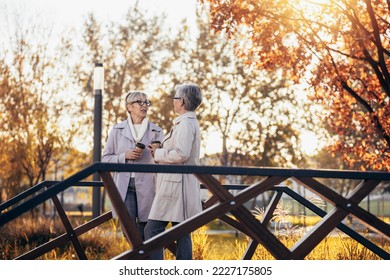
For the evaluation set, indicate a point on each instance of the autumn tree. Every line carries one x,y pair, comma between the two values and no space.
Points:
128,51
172,71
253,112
31,91
341,48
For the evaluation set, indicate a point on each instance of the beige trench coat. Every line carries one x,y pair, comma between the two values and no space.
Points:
178,195
121,140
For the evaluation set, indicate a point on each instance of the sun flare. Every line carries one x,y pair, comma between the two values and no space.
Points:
310,143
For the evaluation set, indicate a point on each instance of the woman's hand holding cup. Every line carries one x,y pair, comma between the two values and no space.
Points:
153,146
136,153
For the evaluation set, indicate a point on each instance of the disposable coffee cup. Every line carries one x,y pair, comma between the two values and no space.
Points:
156,144
140,147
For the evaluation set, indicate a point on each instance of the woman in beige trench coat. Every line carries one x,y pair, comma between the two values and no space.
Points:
178,195
135,189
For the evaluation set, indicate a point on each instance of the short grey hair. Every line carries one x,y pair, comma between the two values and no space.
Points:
191,95
134,96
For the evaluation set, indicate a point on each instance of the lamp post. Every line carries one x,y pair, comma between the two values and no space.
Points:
98,86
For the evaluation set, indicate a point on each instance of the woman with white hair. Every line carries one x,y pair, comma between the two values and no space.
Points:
178,195
135,189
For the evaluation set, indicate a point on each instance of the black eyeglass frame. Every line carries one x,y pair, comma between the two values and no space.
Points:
142,103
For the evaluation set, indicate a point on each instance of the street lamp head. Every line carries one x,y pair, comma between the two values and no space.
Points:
98,77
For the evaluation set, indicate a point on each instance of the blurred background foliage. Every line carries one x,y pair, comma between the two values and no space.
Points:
253,114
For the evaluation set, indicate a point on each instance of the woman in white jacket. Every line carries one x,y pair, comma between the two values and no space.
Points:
135,189
178,195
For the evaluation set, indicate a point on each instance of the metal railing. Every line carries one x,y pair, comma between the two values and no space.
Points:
218,206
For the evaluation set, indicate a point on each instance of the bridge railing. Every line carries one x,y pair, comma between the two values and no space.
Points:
218,206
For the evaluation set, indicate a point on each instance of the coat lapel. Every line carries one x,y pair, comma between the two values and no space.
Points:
126,132
190,115
167,136
151,134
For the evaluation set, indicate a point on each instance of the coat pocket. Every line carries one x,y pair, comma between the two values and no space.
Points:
171,185
173,177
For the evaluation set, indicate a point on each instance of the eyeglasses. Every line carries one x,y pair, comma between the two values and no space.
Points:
142,103
174,97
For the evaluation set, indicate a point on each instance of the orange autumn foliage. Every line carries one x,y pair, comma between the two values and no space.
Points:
341,48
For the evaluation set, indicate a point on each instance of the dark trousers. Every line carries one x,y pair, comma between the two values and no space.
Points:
131,206
183,245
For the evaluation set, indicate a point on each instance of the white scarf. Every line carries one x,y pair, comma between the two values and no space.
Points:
138,136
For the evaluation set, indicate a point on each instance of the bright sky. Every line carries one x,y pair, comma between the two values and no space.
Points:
72,12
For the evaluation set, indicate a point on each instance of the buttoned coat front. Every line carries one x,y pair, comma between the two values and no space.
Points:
178,195
121,140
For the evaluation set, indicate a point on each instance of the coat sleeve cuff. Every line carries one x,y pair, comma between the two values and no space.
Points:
158,154
121,158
